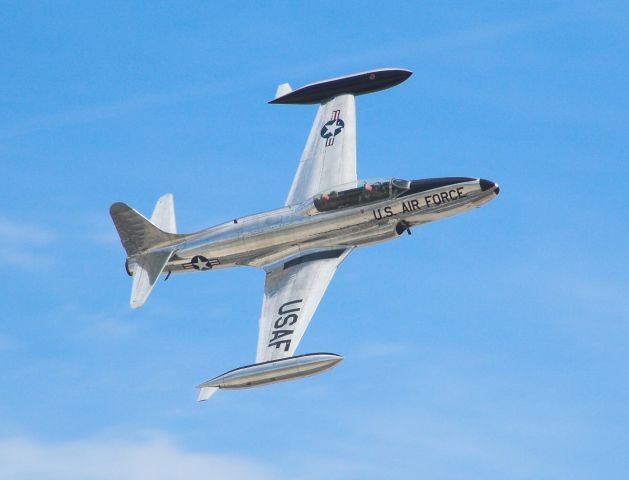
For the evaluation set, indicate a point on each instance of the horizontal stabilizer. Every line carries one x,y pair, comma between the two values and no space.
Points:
356,84
137,233
145,274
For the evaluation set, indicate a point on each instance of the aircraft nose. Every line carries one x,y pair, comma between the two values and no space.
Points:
488,185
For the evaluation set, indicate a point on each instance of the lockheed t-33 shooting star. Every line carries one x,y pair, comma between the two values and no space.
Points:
327,214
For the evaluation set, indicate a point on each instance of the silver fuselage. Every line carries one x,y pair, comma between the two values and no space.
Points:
277,235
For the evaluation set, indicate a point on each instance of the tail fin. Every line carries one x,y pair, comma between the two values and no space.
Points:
283,89
139,234
206,392
148,242
164,214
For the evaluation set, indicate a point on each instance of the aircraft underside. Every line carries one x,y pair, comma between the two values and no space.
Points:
328,213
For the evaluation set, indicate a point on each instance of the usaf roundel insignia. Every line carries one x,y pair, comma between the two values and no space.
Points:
332,128
199,262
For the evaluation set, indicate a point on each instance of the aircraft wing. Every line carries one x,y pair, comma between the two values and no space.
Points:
292,293
329,158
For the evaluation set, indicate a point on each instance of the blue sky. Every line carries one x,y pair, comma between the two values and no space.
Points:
490,345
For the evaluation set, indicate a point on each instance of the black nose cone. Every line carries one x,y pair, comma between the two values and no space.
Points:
486,184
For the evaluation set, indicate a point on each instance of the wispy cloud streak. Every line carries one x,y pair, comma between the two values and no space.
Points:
17,239
95,113
154,458
11,231
449,40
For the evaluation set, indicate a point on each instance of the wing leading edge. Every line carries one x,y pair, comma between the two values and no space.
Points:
294,289
329,157
292,293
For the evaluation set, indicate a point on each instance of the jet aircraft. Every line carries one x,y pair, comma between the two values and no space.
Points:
329,212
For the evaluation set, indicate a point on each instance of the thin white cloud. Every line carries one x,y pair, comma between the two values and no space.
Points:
12,231
15,257
18,241
94,113
450,40
489,32
100,324
154,458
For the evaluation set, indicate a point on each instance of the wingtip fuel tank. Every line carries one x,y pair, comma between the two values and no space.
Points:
356,84
273,371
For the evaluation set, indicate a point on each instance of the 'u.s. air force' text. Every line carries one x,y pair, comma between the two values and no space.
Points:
435,199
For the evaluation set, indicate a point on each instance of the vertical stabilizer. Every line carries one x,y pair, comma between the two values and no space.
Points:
206,392
164,214
283,89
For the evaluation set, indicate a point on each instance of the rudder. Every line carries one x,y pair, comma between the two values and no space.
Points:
164,214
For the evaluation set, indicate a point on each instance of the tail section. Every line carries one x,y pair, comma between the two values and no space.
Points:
137,233
149,242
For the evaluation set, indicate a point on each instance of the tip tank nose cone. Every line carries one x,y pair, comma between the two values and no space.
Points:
486,184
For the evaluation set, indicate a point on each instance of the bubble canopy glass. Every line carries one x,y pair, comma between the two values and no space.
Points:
360,192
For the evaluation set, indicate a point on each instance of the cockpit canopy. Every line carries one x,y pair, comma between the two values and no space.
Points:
359,193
